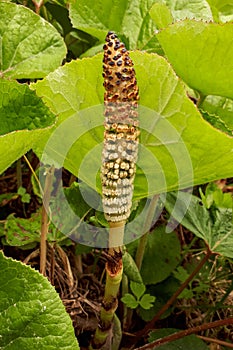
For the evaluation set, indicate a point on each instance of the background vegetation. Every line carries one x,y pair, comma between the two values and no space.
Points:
50,71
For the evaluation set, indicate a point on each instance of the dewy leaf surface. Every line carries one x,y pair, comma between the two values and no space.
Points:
178,147
30,47
128,17
201,54
23,120
32,315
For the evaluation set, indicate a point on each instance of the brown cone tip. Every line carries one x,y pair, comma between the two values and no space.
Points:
121,134
118,72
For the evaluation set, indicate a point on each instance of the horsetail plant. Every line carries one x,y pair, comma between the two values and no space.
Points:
119,156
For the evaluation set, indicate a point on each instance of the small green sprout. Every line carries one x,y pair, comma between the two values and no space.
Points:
25,197
139,298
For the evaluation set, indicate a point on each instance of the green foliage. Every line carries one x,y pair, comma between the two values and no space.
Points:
221,107
167,257
21,109
217,122
29,309
182,274
25,197
155,78
198,9
23,120
139,298
194,44
25,233
214,226
162,291
130,301
170,110
222,10
182,144
129,18
31,50
130,268
117,333
191,342
214,197
161,15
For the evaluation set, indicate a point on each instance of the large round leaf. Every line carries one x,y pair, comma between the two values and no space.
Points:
201,54
23,120
32,315
130,18
178,147
198,9
30,47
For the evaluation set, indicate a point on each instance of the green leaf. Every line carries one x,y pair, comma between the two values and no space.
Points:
130,268
25,197
147,301
30,47
129,18
21,232
162,292
32,315
161,15
220,106
21,191
198,9
61,14
138,289
25,233
181,274
163,253
130,301
222,10
93,51
21,108
22,117
215,228
215,196
5,198
217,122
191,342
81,44
117,333
201,54
74,196
178,146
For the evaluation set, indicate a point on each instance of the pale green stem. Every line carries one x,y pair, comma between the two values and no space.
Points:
114,271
